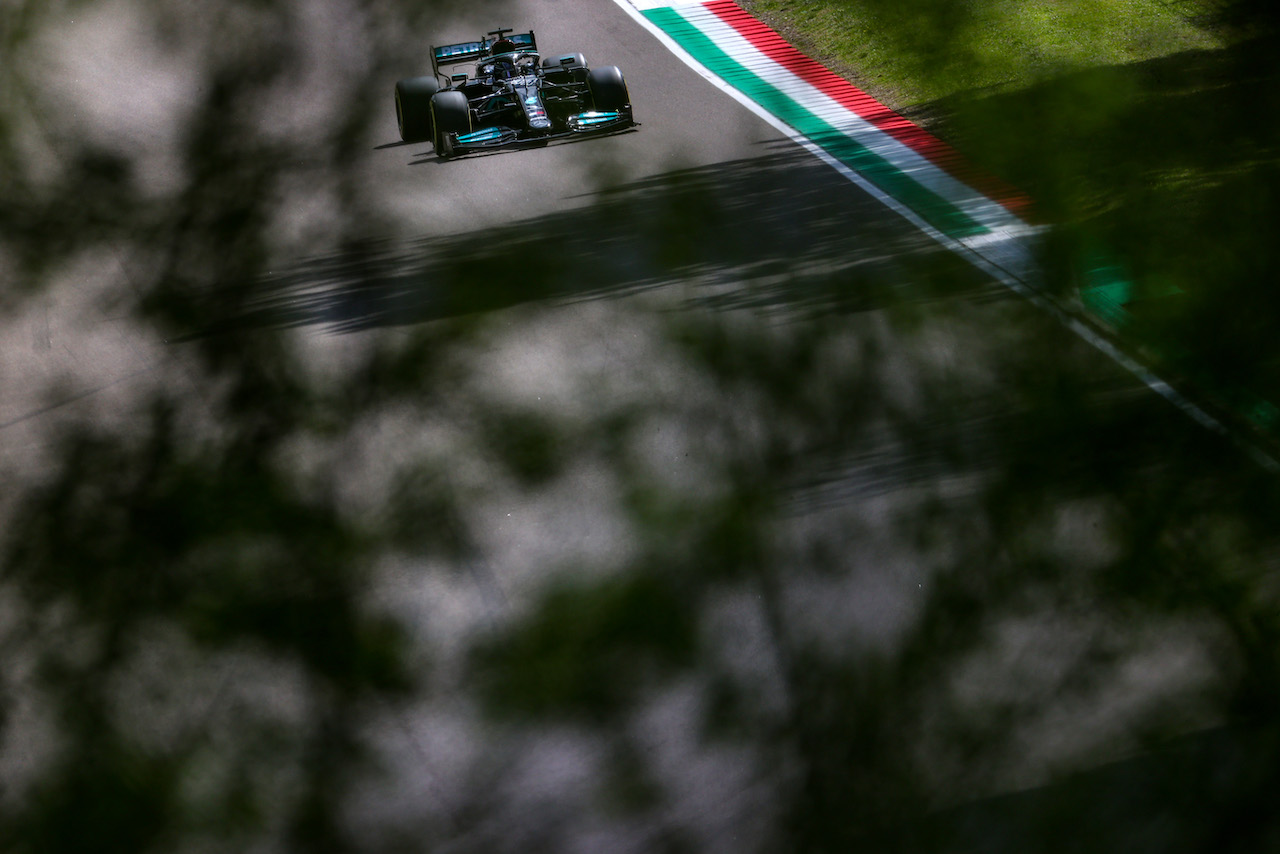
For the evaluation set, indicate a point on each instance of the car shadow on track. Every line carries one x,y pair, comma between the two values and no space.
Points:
781,229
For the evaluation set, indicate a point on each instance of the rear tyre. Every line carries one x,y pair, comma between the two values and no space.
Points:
608,90
449,114
413,108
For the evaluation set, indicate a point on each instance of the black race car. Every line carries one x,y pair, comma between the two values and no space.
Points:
515,96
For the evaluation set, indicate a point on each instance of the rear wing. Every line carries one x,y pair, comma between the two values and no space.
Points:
454,54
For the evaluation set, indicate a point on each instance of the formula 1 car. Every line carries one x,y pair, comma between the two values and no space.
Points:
515,96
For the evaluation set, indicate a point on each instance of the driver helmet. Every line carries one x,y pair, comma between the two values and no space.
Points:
503,45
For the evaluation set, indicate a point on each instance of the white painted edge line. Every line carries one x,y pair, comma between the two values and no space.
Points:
1014,279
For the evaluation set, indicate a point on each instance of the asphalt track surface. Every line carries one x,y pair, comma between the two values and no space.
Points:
686,123
776,199
774,234
691,135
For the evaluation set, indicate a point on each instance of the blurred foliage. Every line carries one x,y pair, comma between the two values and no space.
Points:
885,546
590,651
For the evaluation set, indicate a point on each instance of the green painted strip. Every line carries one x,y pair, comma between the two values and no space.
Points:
935,210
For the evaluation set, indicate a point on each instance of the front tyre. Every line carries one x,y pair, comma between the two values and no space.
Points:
449,114
608,90
413,107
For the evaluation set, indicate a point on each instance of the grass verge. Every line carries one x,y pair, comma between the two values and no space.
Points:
1146,131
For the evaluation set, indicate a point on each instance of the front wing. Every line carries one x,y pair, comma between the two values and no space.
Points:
590,122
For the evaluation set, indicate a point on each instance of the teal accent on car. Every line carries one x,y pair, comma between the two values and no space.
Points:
479,136
597,118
